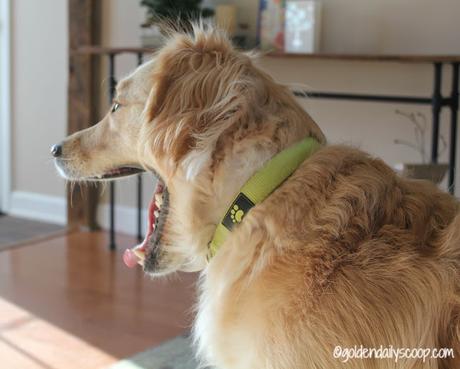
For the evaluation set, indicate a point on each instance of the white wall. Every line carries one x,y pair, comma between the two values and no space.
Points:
39,99
380,26
370,126
391,26
388,26
5,103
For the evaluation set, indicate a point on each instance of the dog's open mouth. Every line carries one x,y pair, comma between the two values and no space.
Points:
157,213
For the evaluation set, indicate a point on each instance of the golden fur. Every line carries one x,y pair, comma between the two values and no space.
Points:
345,252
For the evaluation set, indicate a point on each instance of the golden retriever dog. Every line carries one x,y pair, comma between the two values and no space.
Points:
343,258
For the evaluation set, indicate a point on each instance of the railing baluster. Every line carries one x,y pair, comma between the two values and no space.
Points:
436,105
112,84
454,95
140,59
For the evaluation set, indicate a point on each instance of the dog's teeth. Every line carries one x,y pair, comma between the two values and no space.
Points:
156,213
159,198
140,254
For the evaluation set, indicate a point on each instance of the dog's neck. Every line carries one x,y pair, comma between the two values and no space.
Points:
259,186
234,172
199,208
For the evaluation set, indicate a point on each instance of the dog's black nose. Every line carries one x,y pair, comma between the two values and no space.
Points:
56,150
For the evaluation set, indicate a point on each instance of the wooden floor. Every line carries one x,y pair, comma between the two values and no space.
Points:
68,302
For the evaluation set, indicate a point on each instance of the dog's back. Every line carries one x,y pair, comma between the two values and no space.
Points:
449,334
345,253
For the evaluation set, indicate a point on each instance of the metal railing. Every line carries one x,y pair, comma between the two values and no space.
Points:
436,101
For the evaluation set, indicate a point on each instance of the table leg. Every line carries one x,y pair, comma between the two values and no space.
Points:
140,59
436,104
113,83
453,126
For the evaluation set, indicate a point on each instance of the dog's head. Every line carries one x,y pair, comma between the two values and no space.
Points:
203,118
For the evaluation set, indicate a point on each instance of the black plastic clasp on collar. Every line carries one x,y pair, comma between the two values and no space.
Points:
237,211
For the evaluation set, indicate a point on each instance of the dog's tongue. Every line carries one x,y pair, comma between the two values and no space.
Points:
136,255
130,258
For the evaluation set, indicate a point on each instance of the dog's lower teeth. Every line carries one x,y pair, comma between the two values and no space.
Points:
158,199
156,213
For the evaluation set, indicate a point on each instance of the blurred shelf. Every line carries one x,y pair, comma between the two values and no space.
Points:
401,58
102,50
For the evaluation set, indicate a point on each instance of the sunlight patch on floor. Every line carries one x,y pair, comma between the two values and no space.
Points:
28,342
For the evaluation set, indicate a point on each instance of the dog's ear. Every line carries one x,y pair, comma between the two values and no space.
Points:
198,93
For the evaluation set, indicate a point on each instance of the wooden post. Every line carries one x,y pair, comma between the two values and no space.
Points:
84,30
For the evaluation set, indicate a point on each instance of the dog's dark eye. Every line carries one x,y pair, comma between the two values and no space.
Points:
115,107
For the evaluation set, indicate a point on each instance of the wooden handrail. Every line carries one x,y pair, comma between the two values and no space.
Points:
401,58
102,50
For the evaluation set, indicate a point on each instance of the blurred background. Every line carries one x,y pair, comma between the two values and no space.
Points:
380,75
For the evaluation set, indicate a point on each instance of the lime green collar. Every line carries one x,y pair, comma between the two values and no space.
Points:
260,185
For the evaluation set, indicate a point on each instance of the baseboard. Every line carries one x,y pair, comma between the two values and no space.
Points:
53,209
125,218
46,208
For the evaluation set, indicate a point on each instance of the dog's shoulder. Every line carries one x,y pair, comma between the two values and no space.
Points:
343,205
